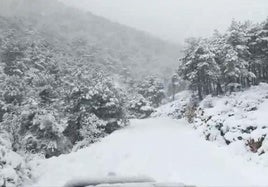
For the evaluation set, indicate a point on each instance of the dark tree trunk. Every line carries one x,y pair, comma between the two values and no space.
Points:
219,89
173,92
200,92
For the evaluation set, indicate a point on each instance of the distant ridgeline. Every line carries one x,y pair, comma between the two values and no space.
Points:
87,37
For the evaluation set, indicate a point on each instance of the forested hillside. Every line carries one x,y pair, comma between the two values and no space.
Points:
227,97
227,62
227,75
68,78
88,37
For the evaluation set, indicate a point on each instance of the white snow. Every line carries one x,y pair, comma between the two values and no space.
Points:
165,149
174,109
13,167
228,117
236,113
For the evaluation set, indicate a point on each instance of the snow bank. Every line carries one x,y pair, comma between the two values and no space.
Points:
239,120
13,168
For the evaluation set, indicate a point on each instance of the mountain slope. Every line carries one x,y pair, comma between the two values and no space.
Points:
84,34
64,75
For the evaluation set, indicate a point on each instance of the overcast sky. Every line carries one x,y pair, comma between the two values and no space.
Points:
175,20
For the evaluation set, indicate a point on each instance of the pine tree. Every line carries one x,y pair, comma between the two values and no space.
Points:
258,47
237,60
152,89
199,67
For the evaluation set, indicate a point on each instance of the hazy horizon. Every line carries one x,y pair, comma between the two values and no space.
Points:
175,20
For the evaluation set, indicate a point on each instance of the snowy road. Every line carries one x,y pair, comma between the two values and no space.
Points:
164,149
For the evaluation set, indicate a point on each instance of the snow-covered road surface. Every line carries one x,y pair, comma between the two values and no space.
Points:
166,150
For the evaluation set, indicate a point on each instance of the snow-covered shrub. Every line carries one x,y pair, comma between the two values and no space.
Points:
106,101
139,107
254,145
190,113
87,128
97,107
191,109
10,125
92,128
12,90
175,109
14,170
151,89
237,119
40,132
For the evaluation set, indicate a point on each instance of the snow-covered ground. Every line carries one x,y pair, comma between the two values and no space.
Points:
175,108
162,148
239,120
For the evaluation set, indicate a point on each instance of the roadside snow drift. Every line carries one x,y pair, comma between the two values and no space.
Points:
239,120
166,150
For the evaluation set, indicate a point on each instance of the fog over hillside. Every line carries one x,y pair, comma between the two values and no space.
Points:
134,49
175,20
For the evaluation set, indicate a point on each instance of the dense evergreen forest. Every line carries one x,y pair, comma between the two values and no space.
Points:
68,78
227,62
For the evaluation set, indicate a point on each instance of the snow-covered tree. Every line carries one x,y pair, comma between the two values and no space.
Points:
199,66
152,89
139,107
235,59
94,95
258,47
